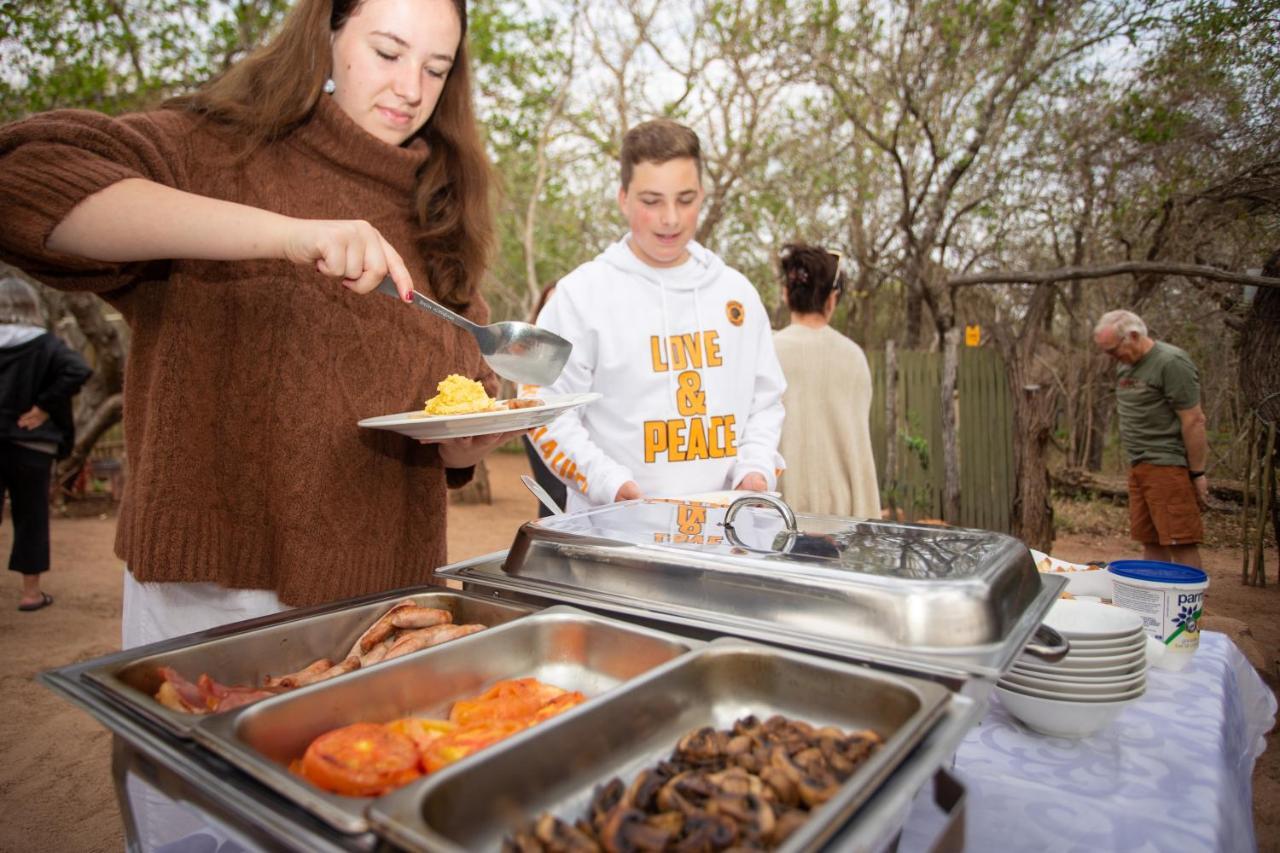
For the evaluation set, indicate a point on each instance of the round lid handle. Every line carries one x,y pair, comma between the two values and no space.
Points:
761,499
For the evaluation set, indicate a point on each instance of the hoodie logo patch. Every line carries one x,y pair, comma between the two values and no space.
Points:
733,309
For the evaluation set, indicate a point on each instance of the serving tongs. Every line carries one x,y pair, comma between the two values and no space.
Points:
517,351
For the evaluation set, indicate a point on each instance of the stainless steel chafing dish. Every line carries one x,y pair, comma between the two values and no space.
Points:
945,601
919,619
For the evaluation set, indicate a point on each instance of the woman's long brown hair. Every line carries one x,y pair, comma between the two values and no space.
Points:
273,90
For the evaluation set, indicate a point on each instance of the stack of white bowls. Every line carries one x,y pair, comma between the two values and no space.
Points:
1105,670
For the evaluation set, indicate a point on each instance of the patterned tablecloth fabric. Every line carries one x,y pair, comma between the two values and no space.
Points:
1172,773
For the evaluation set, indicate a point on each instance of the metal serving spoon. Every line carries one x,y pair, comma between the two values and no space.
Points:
517,351
541,494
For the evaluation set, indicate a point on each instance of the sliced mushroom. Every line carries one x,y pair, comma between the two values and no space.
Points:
814,789
626,831
603,801
559,837
644,788
787,823
737,781
685,793
704,833
752,814
811,759
784,789
702,746
671,822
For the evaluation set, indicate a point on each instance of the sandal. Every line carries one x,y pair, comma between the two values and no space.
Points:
45,600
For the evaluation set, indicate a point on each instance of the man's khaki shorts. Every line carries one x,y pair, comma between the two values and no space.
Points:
1162,505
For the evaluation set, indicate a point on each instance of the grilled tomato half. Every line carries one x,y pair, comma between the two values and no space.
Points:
361,760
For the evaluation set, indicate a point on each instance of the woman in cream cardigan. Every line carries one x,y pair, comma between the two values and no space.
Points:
826,438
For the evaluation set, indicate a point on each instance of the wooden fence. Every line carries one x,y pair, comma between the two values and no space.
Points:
985,436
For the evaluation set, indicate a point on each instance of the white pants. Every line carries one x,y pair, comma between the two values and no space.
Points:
159,611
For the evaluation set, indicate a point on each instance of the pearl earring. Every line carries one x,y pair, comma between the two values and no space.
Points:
329,86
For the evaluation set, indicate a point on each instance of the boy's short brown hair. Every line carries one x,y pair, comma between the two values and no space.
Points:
658,141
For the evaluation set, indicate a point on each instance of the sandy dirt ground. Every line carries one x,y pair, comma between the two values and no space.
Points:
55,787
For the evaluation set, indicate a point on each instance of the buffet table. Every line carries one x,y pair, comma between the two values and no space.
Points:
1172,773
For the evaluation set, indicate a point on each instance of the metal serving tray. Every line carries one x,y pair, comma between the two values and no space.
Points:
473,807
943,600
560,646
243,654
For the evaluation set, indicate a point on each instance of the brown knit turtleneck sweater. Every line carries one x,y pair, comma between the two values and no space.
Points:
245,380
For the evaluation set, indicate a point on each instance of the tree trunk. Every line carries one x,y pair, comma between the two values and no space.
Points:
1035,404
1033,410
478,490
104,417
915,319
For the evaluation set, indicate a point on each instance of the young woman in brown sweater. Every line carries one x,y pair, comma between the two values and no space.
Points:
237,229
222,226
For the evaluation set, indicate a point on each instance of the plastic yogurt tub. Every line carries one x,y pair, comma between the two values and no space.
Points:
1170,599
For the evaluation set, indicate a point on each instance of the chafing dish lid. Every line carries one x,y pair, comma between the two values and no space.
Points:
896,585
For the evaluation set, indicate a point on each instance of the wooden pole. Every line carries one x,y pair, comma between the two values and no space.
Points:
1250,453
1264,508
891,426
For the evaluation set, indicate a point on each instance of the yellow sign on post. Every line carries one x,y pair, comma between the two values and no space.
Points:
972,336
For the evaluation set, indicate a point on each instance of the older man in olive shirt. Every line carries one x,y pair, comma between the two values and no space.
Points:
1162,431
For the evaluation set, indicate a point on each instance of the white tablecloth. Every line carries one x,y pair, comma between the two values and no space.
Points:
1172,773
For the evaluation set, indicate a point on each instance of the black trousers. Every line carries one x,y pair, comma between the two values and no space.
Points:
24,476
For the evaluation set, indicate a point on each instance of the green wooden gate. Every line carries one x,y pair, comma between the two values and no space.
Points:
985,434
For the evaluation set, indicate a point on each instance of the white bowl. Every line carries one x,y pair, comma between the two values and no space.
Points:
1080,688
1082,579
1084,620
1112,696
1061,719
1092,582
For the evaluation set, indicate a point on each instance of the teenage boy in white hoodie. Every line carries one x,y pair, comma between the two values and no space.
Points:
678,344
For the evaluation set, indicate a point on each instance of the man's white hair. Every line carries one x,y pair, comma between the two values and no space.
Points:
1122,321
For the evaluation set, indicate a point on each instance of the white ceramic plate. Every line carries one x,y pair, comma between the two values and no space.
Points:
1087,688
1033,667
1137,638
1075,661
441,427
1085,676
1129,648
1084,620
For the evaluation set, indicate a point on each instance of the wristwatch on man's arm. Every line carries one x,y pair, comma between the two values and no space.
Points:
1196,475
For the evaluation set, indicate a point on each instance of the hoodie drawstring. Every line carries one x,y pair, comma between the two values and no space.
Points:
666,347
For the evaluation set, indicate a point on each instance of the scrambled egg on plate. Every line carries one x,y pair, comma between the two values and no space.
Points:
458,395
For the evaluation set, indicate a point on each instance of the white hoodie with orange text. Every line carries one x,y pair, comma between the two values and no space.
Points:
684,358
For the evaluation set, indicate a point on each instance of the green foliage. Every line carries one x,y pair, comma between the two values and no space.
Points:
119,55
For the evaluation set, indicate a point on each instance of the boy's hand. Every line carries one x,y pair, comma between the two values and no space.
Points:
629,491
753,482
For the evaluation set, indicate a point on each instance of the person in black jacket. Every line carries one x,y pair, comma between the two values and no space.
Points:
38,376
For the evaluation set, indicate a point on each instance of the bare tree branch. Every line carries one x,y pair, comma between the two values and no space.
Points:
1125,268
